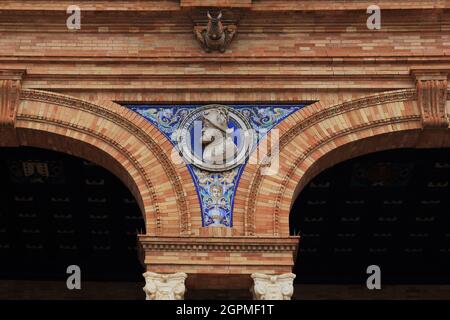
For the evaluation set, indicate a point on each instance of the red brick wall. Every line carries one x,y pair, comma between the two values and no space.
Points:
284,51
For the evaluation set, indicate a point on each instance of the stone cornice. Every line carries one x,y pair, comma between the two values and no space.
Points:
295,78
426,73
251,60
207,82
219,244
216,3
12,74
218,255
310,76
147,17
158,25
261,5
315,118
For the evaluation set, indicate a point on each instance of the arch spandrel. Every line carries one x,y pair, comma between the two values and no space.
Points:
318,137
119,140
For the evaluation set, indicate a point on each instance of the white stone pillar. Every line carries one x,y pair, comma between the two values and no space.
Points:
272,287
164,286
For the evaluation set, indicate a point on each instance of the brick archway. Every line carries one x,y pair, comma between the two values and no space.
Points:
319,136
119,140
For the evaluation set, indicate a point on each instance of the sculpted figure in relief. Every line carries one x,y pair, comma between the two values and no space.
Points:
218,145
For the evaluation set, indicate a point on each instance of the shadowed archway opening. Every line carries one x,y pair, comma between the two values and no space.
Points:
388,209
59,210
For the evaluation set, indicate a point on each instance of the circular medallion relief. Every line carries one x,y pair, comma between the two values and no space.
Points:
215,138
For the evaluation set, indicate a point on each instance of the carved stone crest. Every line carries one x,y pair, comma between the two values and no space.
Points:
215,36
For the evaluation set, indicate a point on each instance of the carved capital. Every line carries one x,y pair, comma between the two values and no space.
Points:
432,97
164,286
273,287
10,86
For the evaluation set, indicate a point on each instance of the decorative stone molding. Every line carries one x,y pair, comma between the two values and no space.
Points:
219,255
272,287
318,114
216,3
10,87
215,36
432,97
323,141
200,245
164,286
128,123
392,113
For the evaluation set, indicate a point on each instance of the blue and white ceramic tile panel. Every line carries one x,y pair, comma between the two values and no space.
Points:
216,190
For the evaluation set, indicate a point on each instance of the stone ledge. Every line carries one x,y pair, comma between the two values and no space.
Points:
219,244
216,3
208,257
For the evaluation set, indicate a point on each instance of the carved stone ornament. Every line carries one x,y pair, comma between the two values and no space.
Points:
273,287
432,97
10,87
206,138
215,141
215,36
164,286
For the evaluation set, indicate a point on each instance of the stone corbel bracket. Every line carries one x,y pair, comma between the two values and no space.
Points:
10,88
432,90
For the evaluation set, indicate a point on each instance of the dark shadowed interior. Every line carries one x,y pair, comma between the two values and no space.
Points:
59,210
389,209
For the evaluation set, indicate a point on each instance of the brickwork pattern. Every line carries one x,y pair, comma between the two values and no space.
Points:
119,140
359,82
318,137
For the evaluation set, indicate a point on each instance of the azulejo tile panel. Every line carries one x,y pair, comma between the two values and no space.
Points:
215,142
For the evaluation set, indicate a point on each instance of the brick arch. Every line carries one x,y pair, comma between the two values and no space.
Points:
119,140
318,137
